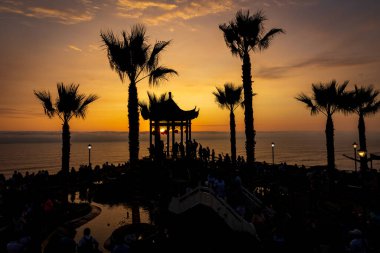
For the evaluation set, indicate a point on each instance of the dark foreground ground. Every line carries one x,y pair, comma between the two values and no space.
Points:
315,210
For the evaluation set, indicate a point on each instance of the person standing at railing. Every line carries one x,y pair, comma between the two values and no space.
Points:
220,189
235,194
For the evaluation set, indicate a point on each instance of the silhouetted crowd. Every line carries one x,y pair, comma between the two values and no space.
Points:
314,210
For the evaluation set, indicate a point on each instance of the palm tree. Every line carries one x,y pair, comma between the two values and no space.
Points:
327,99
230,98
133,58
146,112
68,104
364,104
243,35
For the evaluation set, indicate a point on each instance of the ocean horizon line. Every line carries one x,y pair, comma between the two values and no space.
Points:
227,131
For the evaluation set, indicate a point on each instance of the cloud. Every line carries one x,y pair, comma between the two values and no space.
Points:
17,113
135,14
335,61
75,48
64,12
273,72
63,17
142,5
178,10
7,9
321,61
283,3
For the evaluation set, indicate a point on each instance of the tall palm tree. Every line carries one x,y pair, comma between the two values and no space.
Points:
243,35
364,104
132,57
68,104
230,98
149,109
327,99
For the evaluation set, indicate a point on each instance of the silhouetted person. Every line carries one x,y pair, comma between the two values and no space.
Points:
67,243
151,151
121,245
227,158
175,149
88,244
358,244
15,247
182,150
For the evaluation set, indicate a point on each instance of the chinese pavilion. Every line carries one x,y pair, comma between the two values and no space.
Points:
165,116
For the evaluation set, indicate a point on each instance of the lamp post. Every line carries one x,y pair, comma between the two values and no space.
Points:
89,154
355,145
272,153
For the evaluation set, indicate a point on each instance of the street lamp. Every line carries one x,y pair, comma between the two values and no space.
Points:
89,154
355,145
272,153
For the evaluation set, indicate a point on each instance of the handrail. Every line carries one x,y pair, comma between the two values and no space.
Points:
210,191
252,197
206,196
257,202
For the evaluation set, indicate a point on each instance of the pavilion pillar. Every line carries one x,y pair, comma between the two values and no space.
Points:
150,133
189,129
173,136
181,131
167,137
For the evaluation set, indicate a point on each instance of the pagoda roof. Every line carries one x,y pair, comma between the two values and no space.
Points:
168,110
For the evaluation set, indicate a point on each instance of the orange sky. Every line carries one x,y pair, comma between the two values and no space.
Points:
45,42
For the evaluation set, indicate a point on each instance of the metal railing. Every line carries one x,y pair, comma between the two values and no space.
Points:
205,196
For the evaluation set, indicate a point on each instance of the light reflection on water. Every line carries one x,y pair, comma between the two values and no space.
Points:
110,218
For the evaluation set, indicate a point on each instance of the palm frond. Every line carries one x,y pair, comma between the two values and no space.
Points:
159,74
345,102
144,109
308,102
132,57
232,39
365,100
229,97
373,109
265,41
83,105
163,98
117,52
245,33
68,99
138,47
154,55
220,97
341,88
45,99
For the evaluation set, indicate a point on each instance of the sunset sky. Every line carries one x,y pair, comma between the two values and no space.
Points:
43,42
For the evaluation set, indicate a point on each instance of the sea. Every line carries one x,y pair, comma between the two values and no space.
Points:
34,151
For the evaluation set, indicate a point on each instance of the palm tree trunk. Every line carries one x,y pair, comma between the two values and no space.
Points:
65,148
248,109
233,136
133,117
362,142
329,131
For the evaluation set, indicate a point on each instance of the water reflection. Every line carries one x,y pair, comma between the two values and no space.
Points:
110,218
